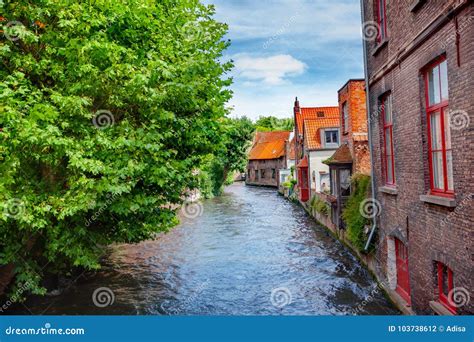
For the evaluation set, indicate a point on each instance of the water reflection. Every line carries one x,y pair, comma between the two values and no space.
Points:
228,261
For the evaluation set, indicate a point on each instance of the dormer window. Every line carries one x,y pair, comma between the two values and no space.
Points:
320,114
331,137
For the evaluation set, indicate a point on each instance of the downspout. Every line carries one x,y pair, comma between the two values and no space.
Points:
369,128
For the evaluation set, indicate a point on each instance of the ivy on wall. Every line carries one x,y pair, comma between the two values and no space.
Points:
352,215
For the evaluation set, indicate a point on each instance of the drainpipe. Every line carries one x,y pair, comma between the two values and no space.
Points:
367,99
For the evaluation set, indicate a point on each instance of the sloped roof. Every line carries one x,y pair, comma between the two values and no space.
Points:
292,149
303,162
341,156
269,145
312,130
312,113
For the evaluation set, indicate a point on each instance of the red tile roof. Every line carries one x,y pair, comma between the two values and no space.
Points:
312,113
312,130
269,145
303,162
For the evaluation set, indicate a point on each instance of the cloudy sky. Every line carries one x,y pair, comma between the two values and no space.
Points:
287,48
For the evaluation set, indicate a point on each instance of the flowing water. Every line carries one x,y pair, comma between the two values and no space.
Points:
248,252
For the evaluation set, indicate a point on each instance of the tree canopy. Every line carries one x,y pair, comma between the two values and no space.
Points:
271,123
107,108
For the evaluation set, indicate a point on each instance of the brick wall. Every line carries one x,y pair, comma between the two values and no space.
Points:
255,167
431,232
353,93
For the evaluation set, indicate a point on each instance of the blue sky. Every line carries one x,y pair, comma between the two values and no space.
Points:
287,48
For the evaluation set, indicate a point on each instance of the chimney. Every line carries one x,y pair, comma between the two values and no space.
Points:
296,112
297,105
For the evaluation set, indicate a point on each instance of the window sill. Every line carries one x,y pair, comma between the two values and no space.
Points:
379,47
443,201
440,309
416,5
388,190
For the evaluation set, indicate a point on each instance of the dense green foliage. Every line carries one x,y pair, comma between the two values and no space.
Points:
320,206
107,109
271,123
351,214
230,155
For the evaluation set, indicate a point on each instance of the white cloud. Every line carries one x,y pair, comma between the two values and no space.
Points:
271,70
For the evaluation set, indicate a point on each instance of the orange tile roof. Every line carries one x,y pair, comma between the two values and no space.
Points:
312,113
269,145
312,130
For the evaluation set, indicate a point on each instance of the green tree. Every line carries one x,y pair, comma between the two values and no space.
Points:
231,154
106,108
271,123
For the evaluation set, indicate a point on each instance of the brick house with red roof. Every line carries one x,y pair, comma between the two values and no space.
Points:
267,156
317,136
353,155
419,70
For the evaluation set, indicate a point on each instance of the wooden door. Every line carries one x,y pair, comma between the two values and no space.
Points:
403,279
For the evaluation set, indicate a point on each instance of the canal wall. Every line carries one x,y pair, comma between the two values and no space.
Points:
369,261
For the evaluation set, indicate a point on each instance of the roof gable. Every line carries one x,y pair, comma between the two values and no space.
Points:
269,145
313,112
312,130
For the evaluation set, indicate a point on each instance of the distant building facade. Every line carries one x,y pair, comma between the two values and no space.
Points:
353,155
267,157
317,136
420,70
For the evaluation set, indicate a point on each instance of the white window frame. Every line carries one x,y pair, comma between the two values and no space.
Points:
323,137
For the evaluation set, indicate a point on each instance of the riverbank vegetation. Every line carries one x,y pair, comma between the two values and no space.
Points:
352,215
109,112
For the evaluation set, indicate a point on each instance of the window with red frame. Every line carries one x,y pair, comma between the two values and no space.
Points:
381,20
388,157
439,133
445,286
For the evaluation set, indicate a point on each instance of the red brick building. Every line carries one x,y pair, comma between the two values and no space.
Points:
419,70
353,155
317,136
267,157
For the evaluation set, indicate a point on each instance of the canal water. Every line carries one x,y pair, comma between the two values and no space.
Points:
248,252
